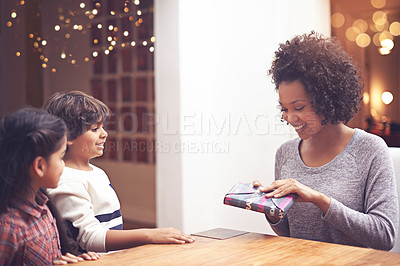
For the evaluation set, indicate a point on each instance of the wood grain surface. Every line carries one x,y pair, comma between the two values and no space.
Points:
248,249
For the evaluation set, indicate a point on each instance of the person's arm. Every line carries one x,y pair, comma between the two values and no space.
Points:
376,226
121,239
74,204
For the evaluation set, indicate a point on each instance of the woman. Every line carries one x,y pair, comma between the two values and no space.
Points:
344,177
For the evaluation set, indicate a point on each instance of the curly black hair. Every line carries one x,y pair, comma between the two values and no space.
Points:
327,72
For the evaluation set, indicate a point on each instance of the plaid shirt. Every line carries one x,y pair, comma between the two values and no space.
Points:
28,233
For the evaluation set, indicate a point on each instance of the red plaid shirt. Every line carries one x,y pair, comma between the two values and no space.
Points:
28,233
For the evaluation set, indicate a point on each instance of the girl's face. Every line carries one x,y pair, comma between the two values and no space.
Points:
55,166
297,109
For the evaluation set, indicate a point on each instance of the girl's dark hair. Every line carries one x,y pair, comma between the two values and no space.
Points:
25,135
326,71
78,110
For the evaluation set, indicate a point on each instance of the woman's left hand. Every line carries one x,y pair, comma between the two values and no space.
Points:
280,188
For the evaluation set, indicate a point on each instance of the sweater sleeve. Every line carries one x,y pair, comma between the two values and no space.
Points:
376,226
281,228
74,204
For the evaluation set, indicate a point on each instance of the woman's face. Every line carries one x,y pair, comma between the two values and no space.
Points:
297,109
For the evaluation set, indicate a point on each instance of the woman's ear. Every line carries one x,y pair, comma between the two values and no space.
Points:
38,167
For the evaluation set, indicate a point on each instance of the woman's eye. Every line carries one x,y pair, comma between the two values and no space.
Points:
94,129
299,108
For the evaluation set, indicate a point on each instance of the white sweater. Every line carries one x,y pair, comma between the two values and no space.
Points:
87,200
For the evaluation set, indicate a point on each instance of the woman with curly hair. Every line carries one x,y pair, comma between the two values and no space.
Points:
344,177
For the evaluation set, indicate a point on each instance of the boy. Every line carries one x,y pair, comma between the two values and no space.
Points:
85,197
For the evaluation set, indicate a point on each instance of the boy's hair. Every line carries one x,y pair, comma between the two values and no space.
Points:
78,110
326,71
25,135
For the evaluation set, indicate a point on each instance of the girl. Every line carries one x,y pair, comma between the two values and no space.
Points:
32,147
344,177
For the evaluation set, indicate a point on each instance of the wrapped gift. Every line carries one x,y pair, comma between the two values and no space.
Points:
246,196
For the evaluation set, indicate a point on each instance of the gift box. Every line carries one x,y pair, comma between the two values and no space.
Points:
246,196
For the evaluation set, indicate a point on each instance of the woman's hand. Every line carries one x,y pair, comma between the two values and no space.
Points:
280,188
169,235
70,258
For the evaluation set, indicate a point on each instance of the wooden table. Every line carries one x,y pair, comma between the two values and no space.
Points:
248,249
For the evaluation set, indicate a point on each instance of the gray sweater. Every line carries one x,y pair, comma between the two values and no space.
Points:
361,183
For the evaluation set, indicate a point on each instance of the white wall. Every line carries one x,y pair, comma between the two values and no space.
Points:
213,93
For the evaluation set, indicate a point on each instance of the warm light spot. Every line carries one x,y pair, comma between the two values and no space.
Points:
36,45
126,9
379,17
395,28
18,54
82,5
80,27
38,38
41,57
366,98
31,35
57,27
97,5
387,97
22,2
384,51
67,36
44,65
110,48
61,17
112,13
337,20
137,23
115,29
361,24
67,21
86,59
46,59
95,41
9,23
385,35
13,14
140,20
352,33
387,43
130,18
153,39
376,40
95,54
44,42
363,40
53,70
73,61
122,44
378,3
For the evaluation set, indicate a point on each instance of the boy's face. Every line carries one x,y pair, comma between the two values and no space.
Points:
90,144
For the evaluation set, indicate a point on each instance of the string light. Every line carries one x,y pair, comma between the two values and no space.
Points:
66,25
